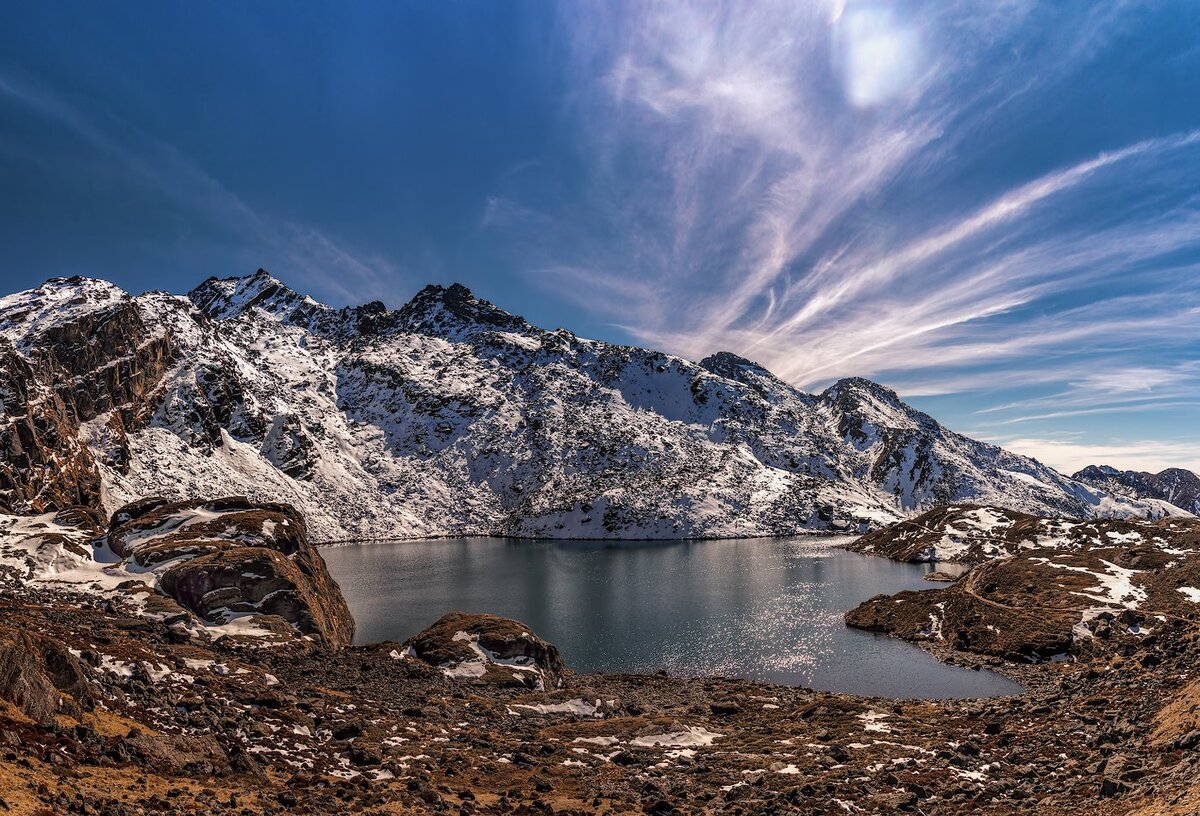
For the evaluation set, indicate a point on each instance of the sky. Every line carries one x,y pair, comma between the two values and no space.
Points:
992,207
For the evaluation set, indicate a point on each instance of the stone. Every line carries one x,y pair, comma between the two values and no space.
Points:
231,557
488,650
41,677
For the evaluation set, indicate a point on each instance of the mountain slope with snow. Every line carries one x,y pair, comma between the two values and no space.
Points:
450,416
1178,486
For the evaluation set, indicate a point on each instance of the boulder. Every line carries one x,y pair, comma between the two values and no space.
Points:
41,677
255,580
177,753
227,558
488,650
136,509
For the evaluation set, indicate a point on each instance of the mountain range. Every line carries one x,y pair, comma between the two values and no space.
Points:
450,416
1178,486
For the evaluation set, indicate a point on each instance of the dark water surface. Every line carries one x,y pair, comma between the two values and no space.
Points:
766,609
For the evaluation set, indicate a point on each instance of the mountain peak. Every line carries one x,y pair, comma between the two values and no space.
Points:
438,306
25,315
735,367
728,364
1176,473
223,298
1095,472
1179,486
850,387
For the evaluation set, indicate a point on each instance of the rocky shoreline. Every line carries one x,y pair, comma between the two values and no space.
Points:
113,704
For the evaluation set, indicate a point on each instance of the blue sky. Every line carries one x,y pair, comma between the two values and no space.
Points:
992,207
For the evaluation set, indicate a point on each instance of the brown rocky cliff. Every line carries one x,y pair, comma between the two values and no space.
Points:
45,465
107,361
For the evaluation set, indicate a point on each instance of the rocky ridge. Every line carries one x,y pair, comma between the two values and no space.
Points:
1109,605
450,416
1041,588
1179,486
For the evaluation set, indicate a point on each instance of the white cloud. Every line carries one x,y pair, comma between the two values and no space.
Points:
878,56
1070,456
746,166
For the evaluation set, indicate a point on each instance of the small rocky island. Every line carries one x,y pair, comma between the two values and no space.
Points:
195,657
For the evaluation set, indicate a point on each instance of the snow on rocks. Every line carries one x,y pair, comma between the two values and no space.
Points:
1055,587
488,650
875,721
166,561
575,707
687,737
1191,593
970,534
450,416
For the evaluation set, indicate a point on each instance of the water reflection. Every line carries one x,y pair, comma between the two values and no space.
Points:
768,609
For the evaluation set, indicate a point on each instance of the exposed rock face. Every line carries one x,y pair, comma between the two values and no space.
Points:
1178,486
105,361
229,558
45,465
488,650
73,351
1046,587
41,677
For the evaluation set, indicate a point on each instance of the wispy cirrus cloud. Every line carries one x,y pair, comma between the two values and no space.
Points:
315,259
840,188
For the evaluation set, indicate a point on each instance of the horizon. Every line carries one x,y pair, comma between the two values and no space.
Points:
990,210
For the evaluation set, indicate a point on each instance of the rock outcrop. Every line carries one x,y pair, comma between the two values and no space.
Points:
73,352
45,465
227,559
488,650
1045,588
41,677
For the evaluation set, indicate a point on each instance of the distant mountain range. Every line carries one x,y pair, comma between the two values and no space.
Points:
450,416
1178,486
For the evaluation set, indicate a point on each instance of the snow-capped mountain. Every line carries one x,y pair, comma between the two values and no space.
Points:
450,416
1178,486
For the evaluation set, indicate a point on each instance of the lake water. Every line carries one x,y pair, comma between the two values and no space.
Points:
765,609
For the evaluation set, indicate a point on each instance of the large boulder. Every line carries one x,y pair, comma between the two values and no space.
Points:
41,677
228,558
488,650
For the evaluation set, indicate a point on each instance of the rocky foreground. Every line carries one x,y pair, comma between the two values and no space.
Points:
191,658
